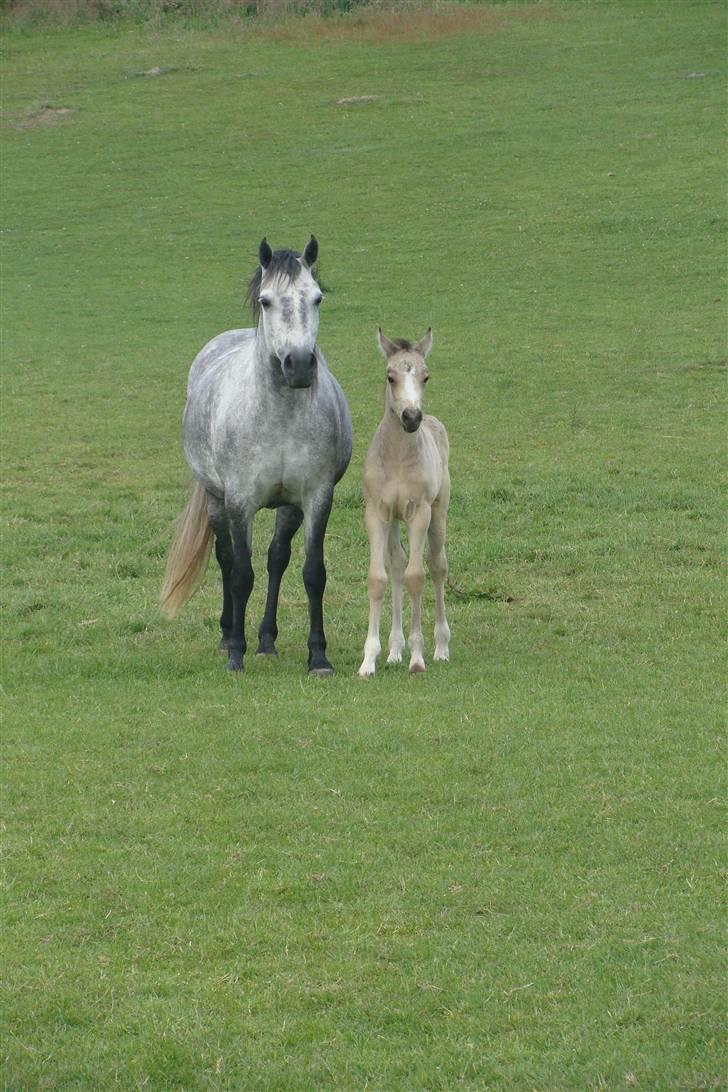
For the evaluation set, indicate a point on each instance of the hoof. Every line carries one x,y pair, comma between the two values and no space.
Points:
417,668
235,662
321,672
266,653
266,645
366,672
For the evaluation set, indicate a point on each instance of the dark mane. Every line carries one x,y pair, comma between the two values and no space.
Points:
284,263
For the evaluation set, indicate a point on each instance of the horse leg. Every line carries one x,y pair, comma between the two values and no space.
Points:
397,565
414,581
241,585
224,554
437,564
288,520
314,579
378,533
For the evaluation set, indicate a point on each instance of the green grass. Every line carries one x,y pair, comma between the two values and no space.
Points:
502,874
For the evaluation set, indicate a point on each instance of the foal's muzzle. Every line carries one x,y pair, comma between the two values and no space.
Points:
299,369
411,419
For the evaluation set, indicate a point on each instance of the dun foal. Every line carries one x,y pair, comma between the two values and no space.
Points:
406,478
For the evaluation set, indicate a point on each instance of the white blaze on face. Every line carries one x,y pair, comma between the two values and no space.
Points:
411,391
290,313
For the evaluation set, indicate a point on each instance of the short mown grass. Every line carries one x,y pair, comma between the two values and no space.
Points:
504,873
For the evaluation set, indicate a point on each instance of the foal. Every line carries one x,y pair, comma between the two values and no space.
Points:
406,478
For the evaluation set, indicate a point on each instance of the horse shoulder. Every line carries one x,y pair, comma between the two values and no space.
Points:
439,434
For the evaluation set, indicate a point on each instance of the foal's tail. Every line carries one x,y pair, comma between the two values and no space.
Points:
188,556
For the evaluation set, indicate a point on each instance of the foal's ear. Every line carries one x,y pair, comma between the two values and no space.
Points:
264,253
310,254
425,344
387,347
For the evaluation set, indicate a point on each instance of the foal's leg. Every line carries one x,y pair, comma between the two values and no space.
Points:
414,581
437,564
241,585
314,578
397,565
288,520
224,554
378,533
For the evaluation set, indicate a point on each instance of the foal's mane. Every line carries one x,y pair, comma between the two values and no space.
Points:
284,263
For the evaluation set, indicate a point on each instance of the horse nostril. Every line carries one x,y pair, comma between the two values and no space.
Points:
411,419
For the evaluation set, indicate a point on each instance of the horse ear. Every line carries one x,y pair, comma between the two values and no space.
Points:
425,344
310,254
387,347
264,253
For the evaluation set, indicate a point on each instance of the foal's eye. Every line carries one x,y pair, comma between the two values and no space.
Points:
425,379
264,302
390,379
317,300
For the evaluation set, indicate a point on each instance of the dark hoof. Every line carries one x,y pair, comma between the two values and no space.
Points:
319,666
266,648
235,662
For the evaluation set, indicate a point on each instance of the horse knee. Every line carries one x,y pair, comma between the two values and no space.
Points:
438,565
279,554
414,582
314,576
376,584
241,583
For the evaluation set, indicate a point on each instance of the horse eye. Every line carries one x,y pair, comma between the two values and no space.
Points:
317,301
264,302
425,379
390,379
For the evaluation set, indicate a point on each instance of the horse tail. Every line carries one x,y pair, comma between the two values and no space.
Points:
189,554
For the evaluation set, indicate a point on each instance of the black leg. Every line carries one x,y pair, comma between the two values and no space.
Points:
241,585
288,520
314,579
224,554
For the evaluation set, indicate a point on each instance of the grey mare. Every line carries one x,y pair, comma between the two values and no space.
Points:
266,425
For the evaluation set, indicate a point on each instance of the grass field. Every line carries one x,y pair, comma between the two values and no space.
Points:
502,874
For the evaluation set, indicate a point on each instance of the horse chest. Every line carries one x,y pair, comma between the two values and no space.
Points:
400,480
399,497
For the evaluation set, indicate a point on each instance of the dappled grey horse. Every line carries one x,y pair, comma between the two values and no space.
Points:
266,425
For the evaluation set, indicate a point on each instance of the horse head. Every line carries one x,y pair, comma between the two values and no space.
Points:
285,297
406,377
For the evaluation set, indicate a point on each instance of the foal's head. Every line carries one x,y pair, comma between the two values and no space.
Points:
406,377
285,297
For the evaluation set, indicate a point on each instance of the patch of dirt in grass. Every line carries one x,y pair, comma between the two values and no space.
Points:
407,24
158,70
357,100
44,115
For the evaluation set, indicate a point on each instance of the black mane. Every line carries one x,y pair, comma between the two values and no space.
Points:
284,263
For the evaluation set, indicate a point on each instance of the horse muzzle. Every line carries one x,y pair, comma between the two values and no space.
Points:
299,369
411,419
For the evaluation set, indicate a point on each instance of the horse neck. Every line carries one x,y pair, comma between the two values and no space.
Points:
261,349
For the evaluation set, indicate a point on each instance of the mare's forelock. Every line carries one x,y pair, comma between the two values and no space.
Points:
285,264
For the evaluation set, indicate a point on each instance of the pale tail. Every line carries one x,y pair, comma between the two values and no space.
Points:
188,556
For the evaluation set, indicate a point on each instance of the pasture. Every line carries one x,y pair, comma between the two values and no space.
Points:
503,873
